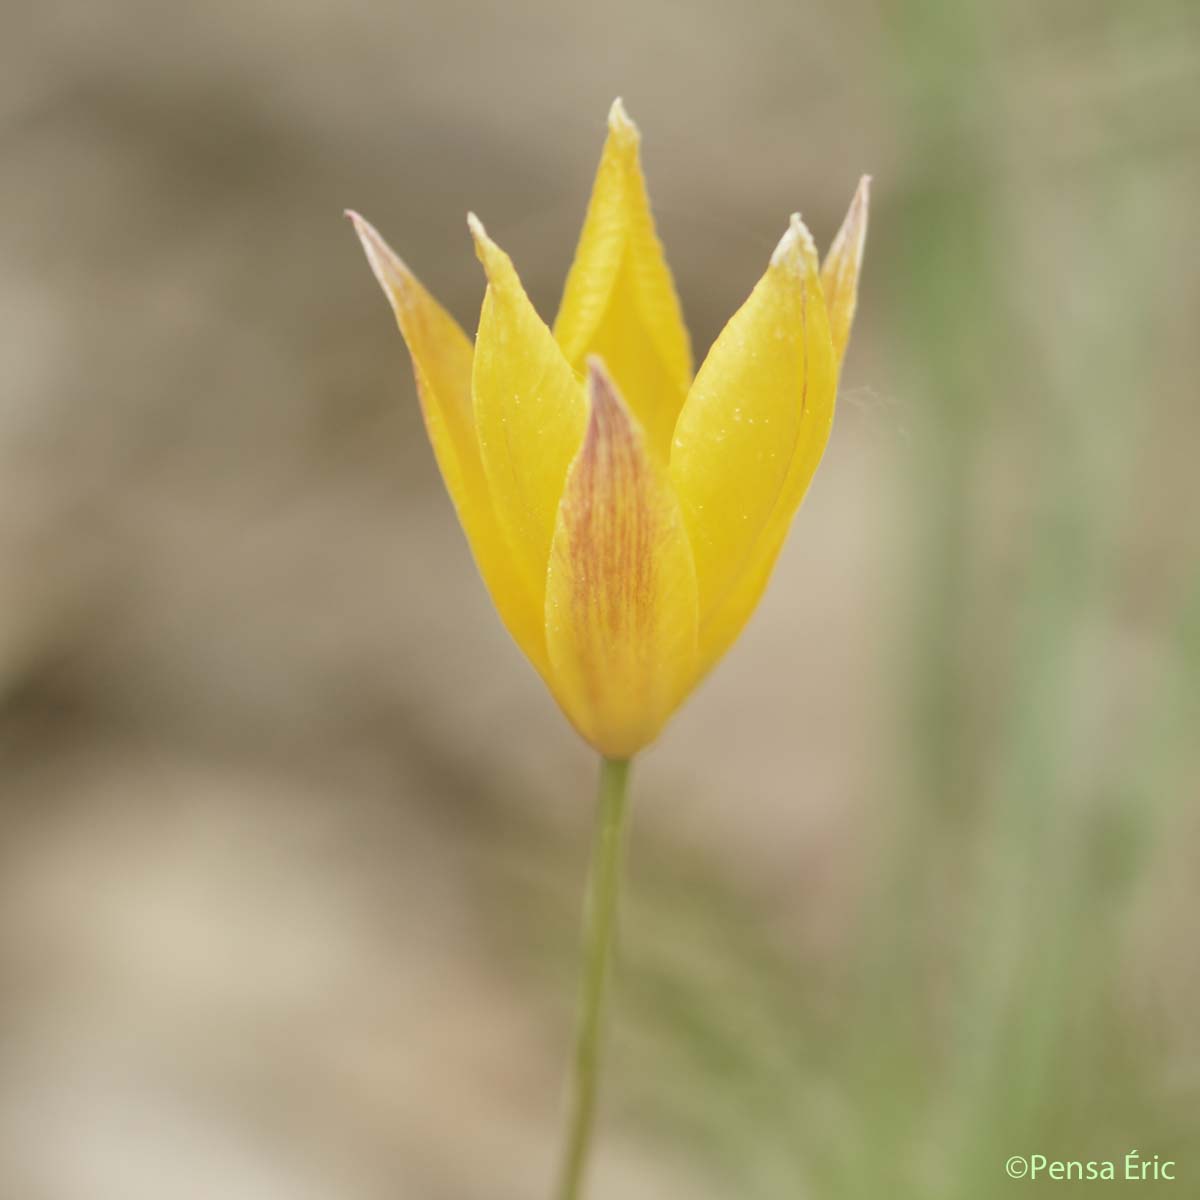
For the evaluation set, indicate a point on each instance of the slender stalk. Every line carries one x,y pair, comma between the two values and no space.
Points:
600,928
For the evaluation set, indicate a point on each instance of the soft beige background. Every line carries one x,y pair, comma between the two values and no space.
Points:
293,841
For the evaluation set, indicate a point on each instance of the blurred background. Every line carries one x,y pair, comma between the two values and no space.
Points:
293,842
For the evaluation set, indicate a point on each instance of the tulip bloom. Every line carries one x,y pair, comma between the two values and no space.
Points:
625,515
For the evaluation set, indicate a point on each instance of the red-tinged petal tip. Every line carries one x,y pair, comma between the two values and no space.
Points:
598,374
839,274
851,237
856,219
621,606
606,406
388,267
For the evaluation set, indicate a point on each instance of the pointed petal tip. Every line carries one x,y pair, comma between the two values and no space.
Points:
840,271
853,232
796,249
388,267
862,194
602,391
597,373
362,226
485,249
620,123
607,409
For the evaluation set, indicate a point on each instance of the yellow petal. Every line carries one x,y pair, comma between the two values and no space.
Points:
619,301
752,432
441,356
621,606
530,413
729,618
839,281
839,272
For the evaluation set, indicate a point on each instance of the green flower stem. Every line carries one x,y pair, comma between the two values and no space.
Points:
600,928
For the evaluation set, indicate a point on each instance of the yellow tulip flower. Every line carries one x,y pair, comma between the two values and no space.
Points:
625,515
